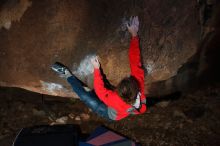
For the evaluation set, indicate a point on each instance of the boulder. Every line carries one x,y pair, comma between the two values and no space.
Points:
35,34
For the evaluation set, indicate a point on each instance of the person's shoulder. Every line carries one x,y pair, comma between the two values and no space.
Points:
115,95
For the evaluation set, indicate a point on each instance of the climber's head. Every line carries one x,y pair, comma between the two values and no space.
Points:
128,89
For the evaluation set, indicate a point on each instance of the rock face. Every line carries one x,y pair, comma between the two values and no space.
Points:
34,34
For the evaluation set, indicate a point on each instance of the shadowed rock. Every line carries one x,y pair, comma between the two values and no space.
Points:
71,32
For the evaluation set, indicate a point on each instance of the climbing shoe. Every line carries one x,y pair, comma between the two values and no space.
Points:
61,69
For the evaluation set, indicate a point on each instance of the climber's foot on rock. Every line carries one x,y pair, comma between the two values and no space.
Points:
61,69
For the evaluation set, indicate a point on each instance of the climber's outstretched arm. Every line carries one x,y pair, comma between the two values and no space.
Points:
103,93
135,58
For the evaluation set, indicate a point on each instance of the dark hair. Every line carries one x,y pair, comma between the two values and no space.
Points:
128,89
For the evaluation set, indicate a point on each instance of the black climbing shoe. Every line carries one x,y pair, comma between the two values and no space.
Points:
61,69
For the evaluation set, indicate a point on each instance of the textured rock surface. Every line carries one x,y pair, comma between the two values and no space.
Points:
71,32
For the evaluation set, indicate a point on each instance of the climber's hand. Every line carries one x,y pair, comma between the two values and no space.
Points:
133,26
95,62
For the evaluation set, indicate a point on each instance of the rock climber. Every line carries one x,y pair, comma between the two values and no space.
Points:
127,98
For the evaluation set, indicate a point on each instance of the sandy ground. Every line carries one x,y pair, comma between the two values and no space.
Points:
192,119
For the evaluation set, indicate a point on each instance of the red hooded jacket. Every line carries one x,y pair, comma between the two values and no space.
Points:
117,108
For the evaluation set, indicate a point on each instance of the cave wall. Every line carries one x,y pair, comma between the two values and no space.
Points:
34,34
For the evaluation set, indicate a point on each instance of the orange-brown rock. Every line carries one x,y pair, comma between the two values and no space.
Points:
34,34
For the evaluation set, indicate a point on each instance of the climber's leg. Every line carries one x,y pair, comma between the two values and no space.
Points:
89,98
